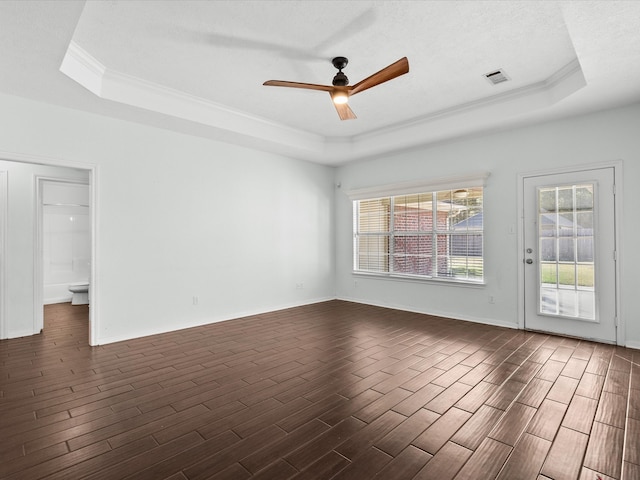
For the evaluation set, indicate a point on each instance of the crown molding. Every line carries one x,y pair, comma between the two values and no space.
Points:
80,66
478,115
541,91
237,126
106,83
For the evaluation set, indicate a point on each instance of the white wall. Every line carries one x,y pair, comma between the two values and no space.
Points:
21,218
182,217
601,137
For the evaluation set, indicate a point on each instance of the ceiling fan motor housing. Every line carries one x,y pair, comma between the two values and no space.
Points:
340,80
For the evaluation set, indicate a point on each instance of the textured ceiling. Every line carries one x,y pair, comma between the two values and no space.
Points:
198,66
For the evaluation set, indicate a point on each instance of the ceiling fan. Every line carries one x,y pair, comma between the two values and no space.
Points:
340,91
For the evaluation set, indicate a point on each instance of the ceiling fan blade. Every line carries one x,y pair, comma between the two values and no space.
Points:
309,86
344,111
388,73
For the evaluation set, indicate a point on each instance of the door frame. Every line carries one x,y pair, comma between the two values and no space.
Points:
617,166
94,318
4,198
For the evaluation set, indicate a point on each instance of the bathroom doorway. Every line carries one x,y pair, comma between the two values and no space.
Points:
63,240
21,247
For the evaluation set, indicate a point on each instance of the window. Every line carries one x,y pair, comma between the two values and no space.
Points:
436,235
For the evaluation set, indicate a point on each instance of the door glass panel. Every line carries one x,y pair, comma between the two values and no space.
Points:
566,246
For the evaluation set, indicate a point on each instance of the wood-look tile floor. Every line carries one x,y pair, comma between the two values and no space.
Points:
333,390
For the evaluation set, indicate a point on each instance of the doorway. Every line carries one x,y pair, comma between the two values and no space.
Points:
62,254
21,286
569,267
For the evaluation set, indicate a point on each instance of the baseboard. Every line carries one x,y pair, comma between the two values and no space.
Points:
435,313
51,301
207,321
634,345
20,334
248,313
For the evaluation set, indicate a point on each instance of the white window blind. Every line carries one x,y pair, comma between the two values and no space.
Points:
435,233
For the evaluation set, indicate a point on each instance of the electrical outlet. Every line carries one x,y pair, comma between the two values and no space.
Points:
195,300
299,286
492,299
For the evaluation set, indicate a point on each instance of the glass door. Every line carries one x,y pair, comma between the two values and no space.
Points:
569,238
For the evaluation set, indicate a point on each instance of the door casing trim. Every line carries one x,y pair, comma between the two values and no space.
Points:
94,171
3,252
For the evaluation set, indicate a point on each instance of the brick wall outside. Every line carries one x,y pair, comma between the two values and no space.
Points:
414,253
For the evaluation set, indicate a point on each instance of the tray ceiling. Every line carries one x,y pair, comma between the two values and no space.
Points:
198,67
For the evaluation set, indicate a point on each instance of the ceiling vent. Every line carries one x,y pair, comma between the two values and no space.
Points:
496,77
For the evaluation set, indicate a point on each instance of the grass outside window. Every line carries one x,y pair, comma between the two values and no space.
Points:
566,274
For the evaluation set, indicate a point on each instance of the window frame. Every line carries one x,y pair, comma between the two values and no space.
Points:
433,188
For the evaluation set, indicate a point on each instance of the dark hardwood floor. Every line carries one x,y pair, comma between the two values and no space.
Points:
334,390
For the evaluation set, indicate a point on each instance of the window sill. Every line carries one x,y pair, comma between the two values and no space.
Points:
417,279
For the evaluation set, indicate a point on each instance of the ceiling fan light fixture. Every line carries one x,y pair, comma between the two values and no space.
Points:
340,98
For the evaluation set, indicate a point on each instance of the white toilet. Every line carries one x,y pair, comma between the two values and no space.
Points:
80,293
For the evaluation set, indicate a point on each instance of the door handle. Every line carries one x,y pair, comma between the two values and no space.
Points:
529,261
